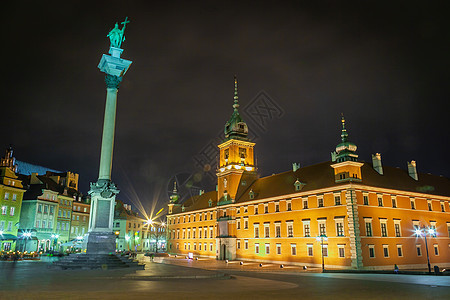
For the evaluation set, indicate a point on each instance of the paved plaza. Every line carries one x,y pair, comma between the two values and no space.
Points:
179,278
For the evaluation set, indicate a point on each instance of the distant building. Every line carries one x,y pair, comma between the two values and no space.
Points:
134,233
345,212
11,194
81,209
47,209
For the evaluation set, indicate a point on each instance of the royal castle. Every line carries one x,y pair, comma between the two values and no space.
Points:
344,213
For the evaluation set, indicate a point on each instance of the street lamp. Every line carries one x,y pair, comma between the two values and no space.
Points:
425,231
320,239
25,236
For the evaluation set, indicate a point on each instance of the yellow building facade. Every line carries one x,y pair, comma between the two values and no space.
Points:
345,213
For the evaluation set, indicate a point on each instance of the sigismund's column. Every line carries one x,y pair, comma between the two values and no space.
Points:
100,238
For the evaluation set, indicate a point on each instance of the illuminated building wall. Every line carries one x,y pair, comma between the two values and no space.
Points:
368,213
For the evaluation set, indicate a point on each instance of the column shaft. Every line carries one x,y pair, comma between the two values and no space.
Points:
108,134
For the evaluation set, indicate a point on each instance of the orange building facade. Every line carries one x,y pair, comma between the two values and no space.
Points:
345,213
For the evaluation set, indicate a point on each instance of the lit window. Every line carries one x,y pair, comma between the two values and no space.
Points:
290,229
257,248
14,196
293,249
325,250
309,249
246,244
277,207
320,202
278,248
397,228
245,223
306,229
289,206
4,210
322,227
380,200
383,228
267,248
11,211
366,199
305,203
341,251
277,230
340,227
6,195
337,200
266,230
256,227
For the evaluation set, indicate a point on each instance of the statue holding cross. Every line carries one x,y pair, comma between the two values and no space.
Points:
116,35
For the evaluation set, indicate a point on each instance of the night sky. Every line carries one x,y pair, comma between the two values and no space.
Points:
385,65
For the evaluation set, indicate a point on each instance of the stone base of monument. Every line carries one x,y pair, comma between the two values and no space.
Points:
95,261
101,243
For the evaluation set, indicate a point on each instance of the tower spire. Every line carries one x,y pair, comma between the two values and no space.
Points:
344,134
236,98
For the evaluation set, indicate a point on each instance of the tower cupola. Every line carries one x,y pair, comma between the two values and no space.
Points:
236,128
345,150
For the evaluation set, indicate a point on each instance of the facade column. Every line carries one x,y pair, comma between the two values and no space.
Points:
353,229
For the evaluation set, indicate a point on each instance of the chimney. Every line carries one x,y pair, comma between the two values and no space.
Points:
295,166
412,170
376,162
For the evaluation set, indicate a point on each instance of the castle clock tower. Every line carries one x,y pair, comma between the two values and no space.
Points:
236,154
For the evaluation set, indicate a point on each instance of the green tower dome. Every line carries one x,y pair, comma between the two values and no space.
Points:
236,128
346,150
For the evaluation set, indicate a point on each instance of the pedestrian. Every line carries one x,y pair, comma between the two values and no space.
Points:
395,269
153,256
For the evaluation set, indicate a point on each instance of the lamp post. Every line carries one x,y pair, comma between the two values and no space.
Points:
55,238
320,239
25,236
425,231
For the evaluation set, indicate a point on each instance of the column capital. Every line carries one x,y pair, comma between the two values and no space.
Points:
112,81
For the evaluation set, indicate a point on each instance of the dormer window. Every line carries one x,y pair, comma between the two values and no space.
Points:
241,126
226,154
210,203
251,194
242,153
297,185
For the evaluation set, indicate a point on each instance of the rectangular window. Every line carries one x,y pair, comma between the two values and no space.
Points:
277,207
322,228
266,231
290,229
383,229
193,233
386,250
211,232
278,248
288,205
40,208
245,209
340,228
195,246
4,210
419,250
200,246
210,247
394,202
397,229
442,207
380,200
306,229
325,250
10,227
337,200
371,251
206,233
430,208
305,204
256,227
238,244
267,248
44,224
293,249
238,223
436,249
245,223
246,244
320,202
185,246
277,230
341,251
45,209
38,224
257,248
14,197
255,208
413,204
50,225
6,195
399,250
266,208
178,246
2,225
309,249
366,199
11,211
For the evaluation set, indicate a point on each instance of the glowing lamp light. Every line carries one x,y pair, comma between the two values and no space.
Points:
238,167
1,232
248,168
431,231
79,237
229,167
127,238
418,231
222,169
163,224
